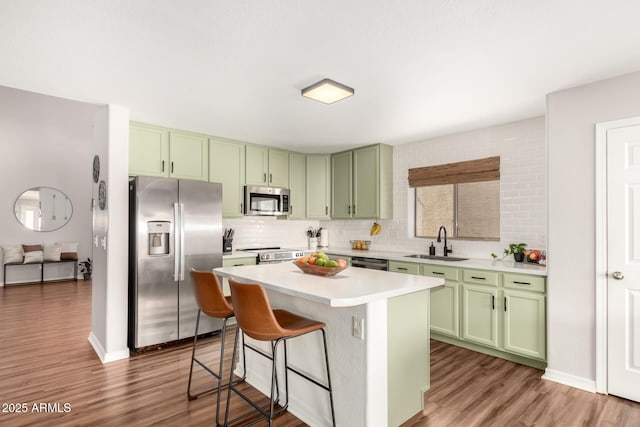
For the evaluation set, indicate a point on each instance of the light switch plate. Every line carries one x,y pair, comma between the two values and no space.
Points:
357,327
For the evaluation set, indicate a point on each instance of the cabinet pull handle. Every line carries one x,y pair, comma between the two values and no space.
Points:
326,210
238,265
505,303
264,177
493,302
402,268
349,207
522,283
163,166
241,210
478,278
354,209
270,177
437,272
171,167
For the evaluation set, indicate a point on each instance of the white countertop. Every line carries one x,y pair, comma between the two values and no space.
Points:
507,265
350,287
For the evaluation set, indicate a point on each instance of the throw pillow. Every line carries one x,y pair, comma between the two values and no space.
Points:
31,248
12,254
52,252
32,256
69,251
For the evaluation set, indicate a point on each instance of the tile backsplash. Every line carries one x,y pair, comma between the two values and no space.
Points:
521,147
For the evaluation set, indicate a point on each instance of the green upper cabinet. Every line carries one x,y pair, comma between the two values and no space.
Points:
318,186
257,165
188,156
278,168
341,184
297,185
267,167
226,166
362,183
158,151
148,150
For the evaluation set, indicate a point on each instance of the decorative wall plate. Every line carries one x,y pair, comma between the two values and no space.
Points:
96,168
102,195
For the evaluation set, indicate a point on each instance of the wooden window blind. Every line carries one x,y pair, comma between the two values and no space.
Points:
487,169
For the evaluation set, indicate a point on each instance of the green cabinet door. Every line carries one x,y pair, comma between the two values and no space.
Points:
226,166
278,168
480,314
297,185
524,323
256,165
445,300
445,314
189,156
318,186
341,185
366,182
148,150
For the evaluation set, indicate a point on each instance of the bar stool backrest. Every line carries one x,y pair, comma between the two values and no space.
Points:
253,312
209,295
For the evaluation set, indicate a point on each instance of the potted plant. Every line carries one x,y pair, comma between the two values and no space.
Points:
86,268
517,249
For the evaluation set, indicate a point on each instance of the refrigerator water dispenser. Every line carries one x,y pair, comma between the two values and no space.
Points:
159,237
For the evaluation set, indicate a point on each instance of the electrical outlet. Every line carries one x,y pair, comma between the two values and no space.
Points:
357,327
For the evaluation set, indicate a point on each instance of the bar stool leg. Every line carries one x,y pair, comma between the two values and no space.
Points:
326,359
193,356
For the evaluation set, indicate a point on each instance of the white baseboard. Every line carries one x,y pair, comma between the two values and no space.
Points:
570,380
104,356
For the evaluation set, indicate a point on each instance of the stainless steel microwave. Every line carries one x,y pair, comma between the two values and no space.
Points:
266,200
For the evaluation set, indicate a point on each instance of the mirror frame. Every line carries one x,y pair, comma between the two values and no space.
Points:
68,208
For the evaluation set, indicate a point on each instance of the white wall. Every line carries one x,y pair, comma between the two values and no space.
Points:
521,147
110,231
45,141
571,118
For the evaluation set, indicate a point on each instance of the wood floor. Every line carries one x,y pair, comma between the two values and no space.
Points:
50,372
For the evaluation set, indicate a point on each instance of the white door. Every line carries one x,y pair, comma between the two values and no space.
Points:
623,248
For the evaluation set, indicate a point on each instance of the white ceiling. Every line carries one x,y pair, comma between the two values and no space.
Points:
235,68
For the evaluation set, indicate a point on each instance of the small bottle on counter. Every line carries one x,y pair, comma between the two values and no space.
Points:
432,249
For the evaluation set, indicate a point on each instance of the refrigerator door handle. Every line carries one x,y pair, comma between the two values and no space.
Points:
177,221
182,252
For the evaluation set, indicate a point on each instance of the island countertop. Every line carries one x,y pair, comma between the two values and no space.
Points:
350,287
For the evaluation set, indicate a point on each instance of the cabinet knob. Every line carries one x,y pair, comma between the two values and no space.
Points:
618,275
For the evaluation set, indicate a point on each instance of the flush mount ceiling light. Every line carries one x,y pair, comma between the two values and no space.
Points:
327,91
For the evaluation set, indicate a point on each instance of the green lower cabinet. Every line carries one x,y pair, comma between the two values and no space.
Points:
444,313
480,314
404,267
524,323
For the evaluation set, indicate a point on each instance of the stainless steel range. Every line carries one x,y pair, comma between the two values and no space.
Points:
275,254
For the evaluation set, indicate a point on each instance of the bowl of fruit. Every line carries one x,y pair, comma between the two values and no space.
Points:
318,263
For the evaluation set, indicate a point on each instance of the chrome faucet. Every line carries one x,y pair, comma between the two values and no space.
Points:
439,240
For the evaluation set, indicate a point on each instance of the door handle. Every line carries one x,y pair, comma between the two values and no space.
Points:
618,275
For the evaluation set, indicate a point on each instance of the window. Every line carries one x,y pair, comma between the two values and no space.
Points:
464,197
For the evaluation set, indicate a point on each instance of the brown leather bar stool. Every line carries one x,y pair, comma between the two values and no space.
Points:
256,319
212,302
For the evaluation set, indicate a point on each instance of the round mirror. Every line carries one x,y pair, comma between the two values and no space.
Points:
43,209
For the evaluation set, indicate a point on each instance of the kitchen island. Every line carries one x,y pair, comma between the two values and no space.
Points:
379,377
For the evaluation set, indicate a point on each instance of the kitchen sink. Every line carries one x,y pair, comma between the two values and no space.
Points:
436,257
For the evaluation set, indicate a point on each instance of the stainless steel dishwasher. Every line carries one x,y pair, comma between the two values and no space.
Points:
372,263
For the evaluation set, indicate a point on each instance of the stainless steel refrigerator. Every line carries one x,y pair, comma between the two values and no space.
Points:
174,225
